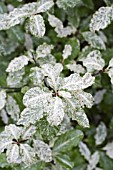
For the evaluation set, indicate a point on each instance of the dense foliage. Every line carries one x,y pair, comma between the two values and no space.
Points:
56,85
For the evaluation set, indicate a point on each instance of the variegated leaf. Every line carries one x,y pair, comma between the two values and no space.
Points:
43,150
59,28
76,82
84,99
109,70
36,25
12,108
98,97
17,64
76,68
55,111
12,154
2,99
101,19
52,72
13,131
109,149
27,132
81,118
30,116
43,50
18,14
68,3
84,150
67,51
15,79
101,133
36,98
93,161
94,61
94,40
27,154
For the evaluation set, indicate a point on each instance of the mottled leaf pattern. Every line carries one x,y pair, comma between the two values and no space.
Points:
101,19
43,150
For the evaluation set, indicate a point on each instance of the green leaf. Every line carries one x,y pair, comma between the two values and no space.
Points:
68,3
105,162
65,161
67,141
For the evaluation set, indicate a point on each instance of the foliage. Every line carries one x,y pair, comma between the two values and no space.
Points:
56,85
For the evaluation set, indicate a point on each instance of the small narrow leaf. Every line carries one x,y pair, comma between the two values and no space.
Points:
67,51
65,161
68,3
109,149
84,150
36,25
68,140
101,133
12,108
2,99
93,161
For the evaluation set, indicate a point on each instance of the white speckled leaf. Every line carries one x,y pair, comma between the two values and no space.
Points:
27,132
101,133
36,25
44,5
36,98
43,50
67,51
64,94
52,72
13,131
84,150
55,111
81,118
93,161
59,28
94,40
17,64
94,61
84,99
18,14
27,154
109,70
76,82
12,108
87,80
4,116
2,99
12,154
109,149
43,150
15,79
30,116
76,68
101,19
